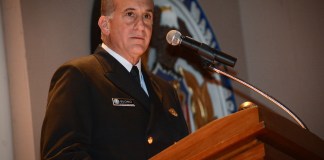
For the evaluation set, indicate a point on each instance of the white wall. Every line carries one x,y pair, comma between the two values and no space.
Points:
279,45
6,148
22,124
284,49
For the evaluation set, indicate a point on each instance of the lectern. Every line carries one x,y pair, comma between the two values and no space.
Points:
254,133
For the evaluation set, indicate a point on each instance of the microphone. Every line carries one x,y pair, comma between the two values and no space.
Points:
210,54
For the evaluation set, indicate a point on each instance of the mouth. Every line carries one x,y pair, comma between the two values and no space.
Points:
138,38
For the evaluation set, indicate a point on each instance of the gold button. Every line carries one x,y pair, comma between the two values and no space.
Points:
173,112
150,140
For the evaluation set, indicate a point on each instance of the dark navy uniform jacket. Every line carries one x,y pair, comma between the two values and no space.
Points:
96,111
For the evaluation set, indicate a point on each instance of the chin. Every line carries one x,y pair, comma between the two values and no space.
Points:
138,50
138,53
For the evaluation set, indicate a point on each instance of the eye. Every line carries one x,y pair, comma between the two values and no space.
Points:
130,14
148,16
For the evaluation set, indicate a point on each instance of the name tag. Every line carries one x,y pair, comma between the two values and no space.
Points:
124,102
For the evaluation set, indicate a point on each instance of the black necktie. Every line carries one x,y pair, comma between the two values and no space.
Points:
135,73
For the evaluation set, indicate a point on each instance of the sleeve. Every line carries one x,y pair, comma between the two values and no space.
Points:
183,128
66,130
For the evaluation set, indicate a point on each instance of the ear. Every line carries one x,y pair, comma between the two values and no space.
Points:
103,23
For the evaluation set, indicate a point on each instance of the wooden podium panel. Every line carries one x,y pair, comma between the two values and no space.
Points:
254,133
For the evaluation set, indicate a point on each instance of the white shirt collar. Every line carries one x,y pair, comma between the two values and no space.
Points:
121,59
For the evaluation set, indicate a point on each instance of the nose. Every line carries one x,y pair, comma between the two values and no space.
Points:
140,24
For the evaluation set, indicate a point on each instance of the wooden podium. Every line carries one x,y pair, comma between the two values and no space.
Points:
254,133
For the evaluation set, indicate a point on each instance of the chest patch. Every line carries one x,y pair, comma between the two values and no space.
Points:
123,102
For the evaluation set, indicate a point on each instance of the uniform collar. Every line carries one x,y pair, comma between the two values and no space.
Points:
121,59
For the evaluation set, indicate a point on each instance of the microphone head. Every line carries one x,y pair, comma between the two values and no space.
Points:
174,37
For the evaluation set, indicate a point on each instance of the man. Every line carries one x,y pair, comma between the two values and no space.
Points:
98,110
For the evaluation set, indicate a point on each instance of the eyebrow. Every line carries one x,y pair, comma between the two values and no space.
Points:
133,9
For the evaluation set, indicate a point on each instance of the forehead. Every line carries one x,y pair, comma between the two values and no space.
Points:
145,5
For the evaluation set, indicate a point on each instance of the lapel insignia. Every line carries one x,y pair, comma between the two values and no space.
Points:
173,112
123,102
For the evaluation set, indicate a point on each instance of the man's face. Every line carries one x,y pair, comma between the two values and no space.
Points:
131,27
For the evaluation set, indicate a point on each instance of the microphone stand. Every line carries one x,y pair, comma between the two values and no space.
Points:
211,66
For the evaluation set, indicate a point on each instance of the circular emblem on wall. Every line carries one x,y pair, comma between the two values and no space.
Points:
202,94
